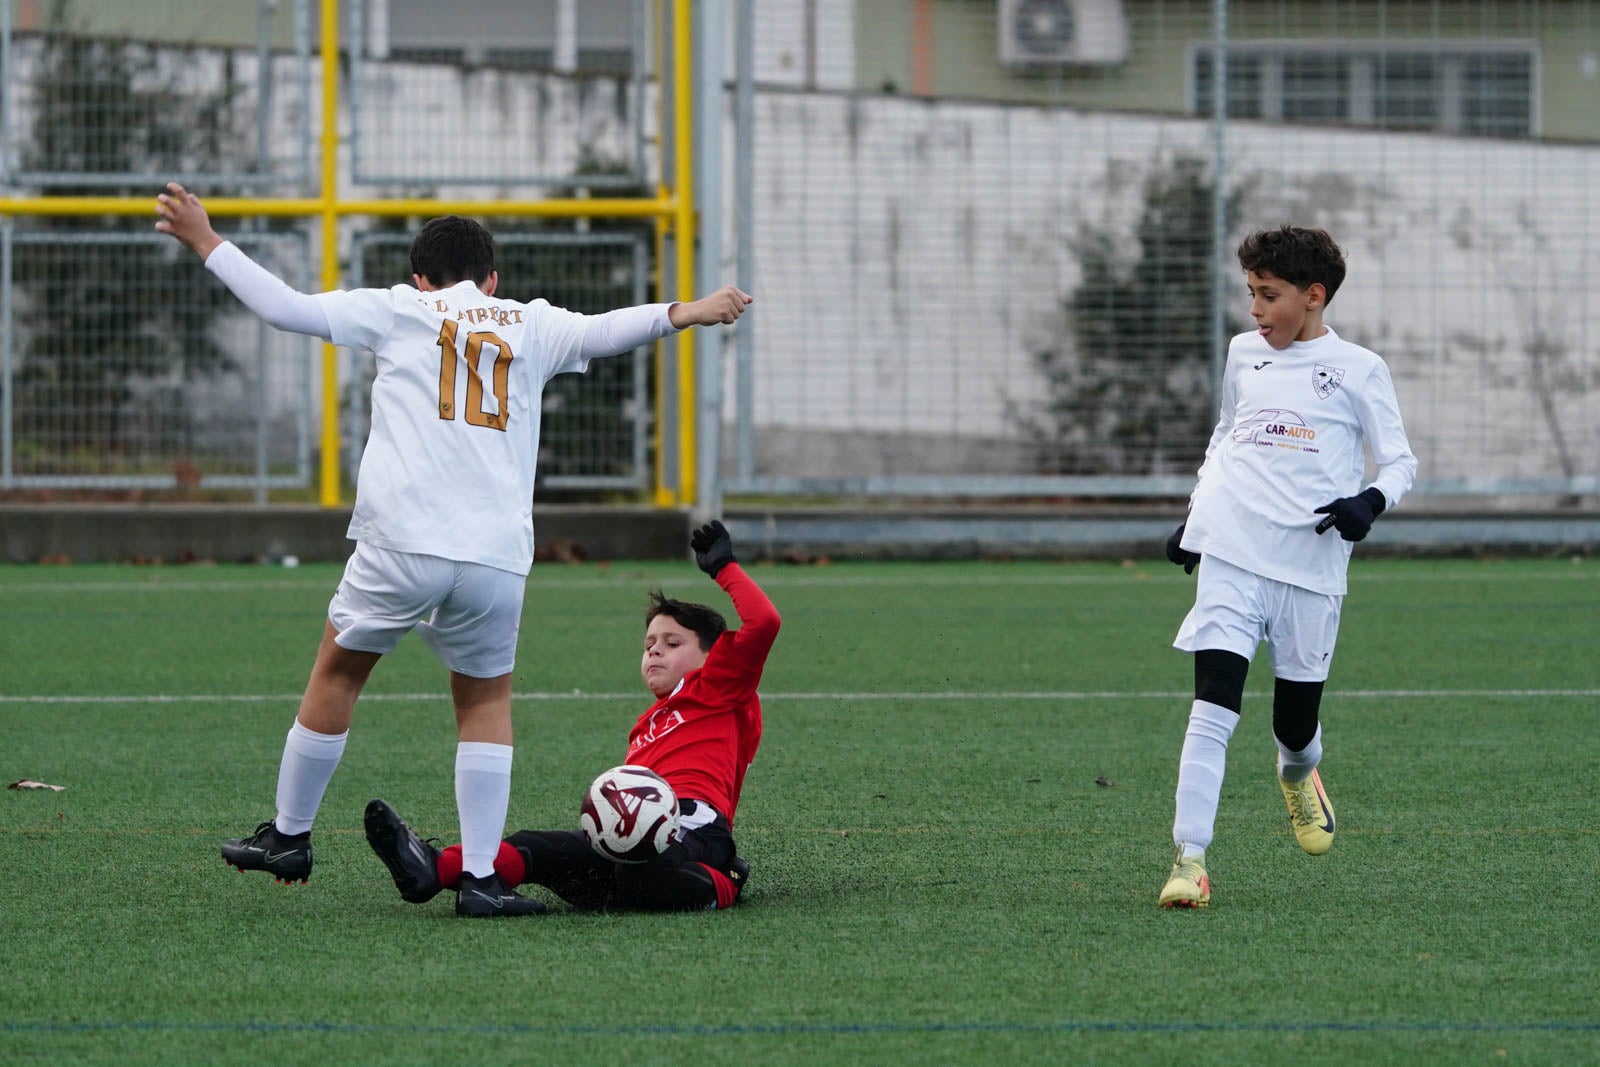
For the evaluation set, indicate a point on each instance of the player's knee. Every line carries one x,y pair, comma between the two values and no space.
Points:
1219,678
1295,706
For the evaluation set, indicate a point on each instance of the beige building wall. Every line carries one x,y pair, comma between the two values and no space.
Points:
958,49
230,23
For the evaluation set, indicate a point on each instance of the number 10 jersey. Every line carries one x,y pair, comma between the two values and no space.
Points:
450,461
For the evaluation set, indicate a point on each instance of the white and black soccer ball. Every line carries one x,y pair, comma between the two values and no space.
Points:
629,814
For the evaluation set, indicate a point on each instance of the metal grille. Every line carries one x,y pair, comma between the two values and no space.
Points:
145,93
983,272
125,364
593,426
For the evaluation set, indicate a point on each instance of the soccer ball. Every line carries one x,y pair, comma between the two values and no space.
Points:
629,814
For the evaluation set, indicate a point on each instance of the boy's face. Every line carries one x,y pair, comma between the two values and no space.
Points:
670,652
1284,313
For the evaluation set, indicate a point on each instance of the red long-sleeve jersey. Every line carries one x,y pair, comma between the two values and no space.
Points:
702,736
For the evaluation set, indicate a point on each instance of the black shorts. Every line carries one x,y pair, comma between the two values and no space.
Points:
563,862
711,844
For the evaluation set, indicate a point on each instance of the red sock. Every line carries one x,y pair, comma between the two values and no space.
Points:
509,866
449,864
727,892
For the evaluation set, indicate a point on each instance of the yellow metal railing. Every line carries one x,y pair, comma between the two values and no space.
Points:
673,206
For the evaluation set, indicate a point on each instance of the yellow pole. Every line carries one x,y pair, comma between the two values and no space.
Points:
683,217
329,481
665,496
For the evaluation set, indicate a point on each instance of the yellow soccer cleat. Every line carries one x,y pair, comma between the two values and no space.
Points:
1310,813
1188,886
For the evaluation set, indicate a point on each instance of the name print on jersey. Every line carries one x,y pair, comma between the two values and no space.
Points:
1276,428
498,315
1325,380
662,722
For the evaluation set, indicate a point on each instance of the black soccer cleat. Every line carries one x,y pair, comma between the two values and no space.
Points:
738,873
488,898
287,857
412,861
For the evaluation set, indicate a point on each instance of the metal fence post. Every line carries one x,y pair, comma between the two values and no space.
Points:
1219,196
710,67
744,336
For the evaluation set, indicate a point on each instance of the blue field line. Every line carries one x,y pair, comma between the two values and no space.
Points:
810,1029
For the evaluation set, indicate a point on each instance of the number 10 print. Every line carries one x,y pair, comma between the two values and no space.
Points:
476,416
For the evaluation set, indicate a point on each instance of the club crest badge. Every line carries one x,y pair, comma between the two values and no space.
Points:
1325,380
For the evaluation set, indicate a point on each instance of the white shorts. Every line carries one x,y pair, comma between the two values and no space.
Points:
1235,609
468,613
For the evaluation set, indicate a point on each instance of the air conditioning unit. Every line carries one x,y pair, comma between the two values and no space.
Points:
1036,33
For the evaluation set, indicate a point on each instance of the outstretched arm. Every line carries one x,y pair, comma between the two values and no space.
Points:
758,619
574,339
185,218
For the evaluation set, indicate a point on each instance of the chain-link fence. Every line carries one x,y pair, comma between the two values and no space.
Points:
989,268
105,97
125,365
985,235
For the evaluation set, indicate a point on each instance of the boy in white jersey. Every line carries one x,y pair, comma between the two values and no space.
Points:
443,519
1284,466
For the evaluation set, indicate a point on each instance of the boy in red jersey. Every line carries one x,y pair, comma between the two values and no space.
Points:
700,735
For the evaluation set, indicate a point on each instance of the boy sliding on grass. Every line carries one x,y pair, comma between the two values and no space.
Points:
700,735
443,518
1298,403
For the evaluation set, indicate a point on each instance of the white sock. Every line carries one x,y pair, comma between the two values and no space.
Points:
309,760
1205,754
483,792
1297,766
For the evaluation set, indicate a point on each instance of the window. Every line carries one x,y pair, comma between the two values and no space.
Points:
1406,96
1244,84
1316,87
452,56
1496,94
1474,89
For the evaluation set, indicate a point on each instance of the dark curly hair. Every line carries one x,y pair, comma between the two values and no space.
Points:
705,623
1300,255
452,249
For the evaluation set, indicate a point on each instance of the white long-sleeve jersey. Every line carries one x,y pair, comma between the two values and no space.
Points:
449,465
1289,440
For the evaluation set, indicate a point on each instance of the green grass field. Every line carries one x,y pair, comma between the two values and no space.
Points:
937,875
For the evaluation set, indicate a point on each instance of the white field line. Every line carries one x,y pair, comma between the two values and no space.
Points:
778,581
1065,695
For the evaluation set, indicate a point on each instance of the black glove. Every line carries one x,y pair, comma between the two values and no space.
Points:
1353,515
713,548
1178,554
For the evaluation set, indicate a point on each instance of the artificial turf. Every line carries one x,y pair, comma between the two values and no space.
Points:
957,826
